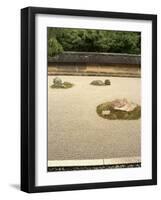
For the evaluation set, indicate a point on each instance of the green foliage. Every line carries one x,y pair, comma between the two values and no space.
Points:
54,47
87,40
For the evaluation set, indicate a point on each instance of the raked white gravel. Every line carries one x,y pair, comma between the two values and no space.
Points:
76,132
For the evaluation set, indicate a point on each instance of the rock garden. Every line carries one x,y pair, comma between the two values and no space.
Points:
120,109
59,84
101,83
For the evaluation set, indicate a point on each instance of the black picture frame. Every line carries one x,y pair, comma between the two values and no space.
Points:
28,98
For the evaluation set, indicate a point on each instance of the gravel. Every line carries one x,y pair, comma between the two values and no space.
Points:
75,131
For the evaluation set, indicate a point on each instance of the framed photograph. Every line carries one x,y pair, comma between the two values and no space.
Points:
88,99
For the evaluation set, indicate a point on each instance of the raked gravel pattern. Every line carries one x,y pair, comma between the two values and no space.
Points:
75,131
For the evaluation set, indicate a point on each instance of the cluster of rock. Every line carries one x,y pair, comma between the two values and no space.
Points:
101,83
122,105
58,83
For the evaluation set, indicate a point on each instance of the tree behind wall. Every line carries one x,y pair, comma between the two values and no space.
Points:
66,39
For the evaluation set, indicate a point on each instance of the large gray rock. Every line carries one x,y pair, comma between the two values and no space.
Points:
97,82
124,105
57,81
107,82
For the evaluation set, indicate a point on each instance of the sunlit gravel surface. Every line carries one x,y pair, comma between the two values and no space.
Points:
75,131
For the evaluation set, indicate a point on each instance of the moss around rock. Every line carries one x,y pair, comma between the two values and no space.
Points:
58,84
109,111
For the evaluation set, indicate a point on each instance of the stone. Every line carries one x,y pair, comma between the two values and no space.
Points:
119,103
107,82
123,105
63,86
97,82
106,112
128,107
57,81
